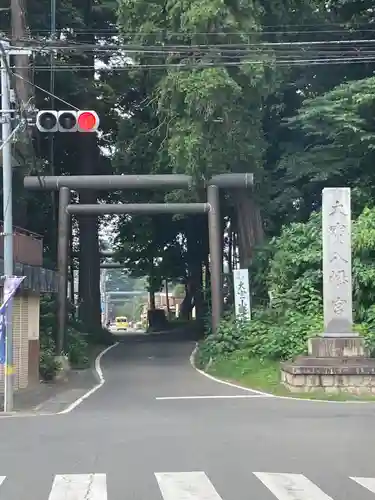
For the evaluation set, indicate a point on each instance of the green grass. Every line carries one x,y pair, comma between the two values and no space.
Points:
265,376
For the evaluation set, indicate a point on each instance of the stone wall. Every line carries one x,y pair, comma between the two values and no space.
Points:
354,383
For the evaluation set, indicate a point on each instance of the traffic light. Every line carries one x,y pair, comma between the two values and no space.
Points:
67,121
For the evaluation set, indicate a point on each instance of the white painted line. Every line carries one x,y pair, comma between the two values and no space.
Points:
186,486
89,393
291,486
219,381
366,482
266,394
79,487
236,396
2,479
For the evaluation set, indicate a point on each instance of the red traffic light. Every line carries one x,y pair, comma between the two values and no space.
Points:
87,121
67,121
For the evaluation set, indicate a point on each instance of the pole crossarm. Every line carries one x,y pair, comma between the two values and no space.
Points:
107,182
138,208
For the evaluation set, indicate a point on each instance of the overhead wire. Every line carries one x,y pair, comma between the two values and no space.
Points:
291,59
280,53
44,90
267,28
68,45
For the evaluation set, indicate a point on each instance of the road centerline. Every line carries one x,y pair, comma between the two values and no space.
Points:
220,396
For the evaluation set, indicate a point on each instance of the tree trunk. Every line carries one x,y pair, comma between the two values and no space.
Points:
249,223
230,250
196,256
152,300
89,262
167,297
89,268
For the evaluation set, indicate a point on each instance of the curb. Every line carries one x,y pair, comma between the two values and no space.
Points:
266,395
99,373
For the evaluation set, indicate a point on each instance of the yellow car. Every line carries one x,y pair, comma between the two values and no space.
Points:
122,323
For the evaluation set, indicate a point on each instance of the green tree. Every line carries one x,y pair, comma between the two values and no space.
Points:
336,147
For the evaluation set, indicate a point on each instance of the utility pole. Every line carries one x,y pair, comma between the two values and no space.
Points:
6,149
6,129
19,32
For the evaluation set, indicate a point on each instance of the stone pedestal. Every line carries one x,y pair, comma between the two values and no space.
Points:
336,347
334,365
355,375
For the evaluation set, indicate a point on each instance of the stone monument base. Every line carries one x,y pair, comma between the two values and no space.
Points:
334,365
337,347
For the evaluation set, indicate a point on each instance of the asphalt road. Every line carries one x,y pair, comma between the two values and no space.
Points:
157,430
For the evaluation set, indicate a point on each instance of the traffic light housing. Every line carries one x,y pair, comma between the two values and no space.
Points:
67,121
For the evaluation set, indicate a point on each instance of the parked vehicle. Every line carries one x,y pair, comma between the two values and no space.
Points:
121,323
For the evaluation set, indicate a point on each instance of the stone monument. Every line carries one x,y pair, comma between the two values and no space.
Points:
337,359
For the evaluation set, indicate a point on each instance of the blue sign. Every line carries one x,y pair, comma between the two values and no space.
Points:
10,287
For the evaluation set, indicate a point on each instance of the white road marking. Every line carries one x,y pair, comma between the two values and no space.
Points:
2,479
100,375
219,381
291,486
266,394
235,396
79,487
186,486
366,482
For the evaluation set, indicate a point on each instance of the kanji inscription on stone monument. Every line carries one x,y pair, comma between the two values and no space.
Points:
337,263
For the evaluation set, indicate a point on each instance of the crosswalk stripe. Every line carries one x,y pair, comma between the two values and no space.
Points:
366,482
79,487
186,486
291,486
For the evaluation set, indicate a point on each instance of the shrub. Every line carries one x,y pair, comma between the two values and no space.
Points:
77,340
77,348
269,335
48,365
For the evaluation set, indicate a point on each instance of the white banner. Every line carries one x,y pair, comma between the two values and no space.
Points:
242,294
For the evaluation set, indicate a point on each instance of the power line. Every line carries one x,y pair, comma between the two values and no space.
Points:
176,47
244,54
275,28
192,66
45,91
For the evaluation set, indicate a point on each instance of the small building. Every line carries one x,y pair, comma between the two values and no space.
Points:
28,261
162,302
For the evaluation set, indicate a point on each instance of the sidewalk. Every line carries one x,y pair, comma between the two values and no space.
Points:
43,397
